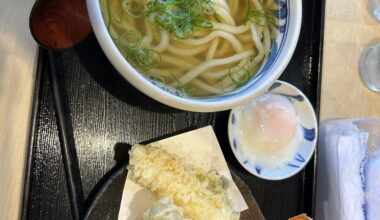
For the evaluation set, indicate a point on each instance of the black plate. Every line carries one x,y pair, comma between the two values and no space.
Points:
106,203
108,115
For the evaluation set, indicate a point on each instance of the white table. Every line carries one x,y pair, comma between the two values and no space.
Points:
348,28
17,73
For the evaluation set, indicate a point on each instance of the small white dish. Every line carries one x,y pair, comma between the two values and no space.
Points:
307,122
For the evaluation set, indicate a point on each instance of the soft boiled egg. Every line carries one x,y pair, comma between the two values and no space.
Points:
269,130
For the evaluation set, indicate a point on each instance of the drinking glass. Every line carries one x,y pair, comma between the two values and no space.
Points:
370,66
374,7
370,58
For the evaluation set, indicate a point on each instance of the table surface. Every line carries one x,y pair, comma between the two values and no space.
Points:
17,72
348,28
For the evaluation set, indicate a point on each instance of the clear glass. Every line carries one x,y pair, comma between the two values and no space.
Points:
370,65
374,7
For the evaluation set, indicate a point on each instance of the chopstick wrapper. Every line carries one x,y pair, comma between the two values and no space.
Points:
198,148
373,186
348,170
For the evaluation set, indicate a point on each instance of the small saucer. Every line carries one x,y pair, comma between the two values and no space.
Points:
305,148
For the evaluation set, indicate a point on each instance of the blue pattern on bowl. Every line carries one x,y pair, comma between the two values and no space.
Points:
300,158
296,97
277,84
283,14
292,165
258,169
305,112
235,144
282,28
309,134
274,86
283,10
270,59
233,119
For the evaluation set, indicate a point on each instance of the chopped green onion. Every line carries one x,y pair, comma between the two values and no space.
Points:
240,76
180,17
260,17
130,40
186,89
191,91
109,15
138,55
159,79
143,58
133,7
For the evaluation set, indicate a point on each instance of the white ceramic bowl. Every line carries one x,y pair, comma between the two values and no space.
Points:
308,135
289,29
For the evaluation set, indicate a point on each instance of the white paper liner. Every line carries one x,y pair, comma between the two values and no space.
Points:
198,148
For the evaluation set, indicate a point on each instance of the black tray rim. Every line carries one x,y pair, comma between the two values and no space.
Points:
37,93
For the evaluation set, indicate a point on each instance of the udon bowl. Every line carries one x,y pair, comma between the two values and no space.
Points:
290,16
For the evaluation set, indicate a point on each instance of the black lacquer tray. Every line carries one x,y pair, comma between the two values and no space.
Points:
108,115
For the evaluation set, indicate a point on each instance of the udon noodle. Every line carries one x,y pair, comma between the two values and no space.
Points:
218,47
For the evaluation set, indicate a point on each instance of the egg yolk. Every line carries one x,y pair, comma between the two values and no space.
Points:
270,122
